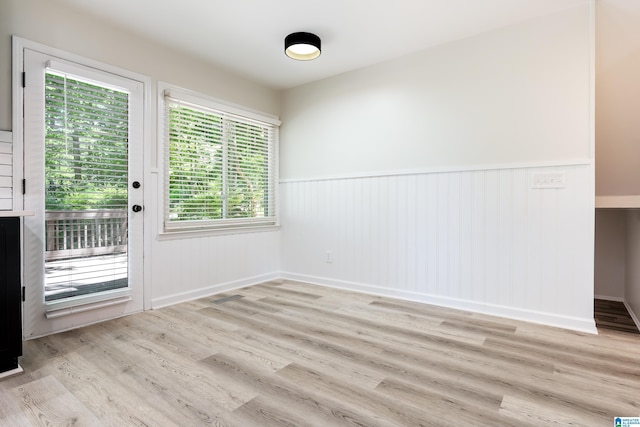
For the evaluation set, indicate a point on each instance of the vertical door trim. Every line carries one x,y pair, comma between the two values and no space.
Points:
19,45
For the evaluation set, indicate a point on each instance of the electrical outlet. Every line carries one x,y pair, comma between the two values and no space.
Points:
549,180
329,258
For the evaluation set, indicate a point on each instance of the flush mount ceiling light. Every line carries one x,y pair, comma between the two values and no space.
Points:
302,46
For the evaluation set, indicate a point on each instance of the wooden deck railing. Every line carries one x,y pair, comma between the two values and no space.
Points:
72,234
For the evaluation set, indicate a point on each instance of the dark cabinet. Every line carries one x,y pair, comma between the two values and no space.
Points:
10,294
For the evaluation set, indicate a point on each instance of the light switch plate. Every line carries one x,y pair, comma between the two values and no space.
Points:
548,180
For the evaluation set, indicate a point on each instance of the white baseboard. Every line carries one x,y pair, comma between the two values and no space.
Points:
549,319
210,290
632,314
608,298
12,372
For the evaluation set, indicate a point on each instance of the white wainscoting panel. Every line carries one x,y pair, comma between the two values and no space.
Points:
192,268
6,171
481,240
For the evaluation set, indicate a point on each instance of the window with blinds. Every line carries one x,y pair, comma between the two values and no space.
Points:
220,165
85,178
86,142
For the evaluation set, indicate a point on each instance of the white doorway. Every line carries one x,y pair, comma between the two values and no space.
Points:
83,178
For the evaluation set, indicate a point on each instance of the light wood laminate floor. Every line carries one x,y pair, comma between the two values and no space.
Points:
292,354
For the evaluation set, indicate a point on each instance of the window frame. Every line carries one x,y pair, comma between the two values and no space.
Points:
219,226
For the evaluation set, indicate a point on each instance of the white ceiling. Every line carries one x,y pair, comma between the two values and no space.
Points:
247,36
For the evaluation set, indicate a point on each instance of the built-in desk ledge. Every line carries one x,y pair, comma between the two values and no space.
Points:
618,202
16,213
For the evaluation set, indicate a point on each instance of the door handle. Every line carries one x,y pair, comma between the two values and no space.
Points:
136,208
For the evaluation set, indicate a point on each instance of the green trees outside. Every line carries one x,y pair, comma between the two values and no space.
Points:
87,128
218,166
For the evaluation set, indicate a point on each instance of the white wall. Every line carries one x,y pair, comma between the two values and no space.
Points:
617,97
176,269
416,174
610,253
618,149
478,240
515,95
632,288
489,110
56,25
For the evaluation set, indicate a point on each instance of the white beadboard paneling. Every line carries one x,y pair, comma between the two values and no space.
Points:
482,240
519,209
190,295
478,260
182,269
6,172
5,137
192,268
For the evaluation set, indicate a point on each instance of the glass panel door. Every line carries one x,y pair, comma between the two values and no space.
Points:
86,162
83,169
85,187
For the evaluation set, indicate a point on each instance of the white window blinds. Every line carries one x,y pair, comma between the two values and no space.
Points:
85,177
220,167
87,129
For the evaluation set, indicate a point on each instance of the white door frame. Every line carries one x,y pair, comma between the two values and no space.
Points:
79,317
